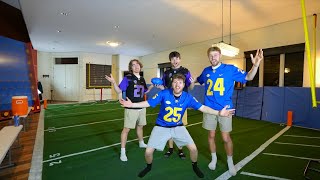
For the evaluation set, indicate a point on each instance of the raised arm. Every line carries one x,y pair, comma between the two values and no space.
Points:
129,104
223,112
115,86
192,83
256,62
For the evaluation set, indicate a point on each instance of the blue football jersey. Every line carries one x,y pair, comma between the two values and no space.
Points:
219,84
172,109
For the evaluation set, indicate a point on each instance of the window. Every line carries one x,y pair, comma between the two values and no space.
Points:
283,66
66,60
95,76
293,72
271,70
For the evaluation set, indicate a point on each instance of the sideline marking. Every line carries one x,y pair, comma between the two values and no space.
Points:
297,157
297,144
243,162
303,136
262,176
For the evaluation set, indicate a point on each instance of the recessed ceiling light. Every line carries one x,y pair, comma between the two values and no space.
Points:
58,31
116,27
64,13
113,43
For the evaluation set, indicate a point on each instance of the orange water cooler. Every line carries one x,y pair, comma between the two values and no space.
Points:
19,105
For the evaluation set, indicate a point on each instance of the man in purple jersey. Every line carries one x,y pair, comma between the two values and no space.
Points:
174,102
134,87
219,81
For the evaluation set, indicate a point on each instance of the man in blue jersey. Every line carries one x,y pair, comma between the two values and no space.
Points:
169,124
134,86
219,81
176,68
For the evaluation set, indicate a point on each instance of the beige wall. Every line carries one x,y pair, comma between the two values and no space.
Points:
195,59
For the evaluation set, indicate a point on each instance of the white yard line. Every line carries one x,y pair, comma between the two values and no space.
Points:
100,148
243,162
88,151
52,129
78,113
289,156
262,176
310,137
308,145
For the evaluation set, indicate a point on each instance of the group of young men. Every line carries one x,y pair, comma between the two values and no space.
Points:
219,81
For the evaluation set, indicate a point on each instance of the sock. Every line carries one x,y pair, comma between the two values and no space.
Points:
232,169
123,156
214,156
145,170
142,144
123,150
197,170
212,164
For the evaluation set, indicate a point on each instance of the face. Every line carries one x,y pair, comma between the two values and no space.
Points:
214,58
135,67
175,62
177,85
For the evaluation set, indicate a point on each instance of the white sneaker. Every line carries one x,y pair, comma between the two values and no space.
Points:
123,157
212,165
232,169
142,145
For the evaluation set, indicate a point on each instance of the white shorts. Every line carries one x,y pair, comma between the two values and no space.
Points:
160,135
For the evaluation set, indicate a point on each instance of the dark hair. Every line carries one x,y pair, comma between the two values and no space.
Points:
174,54
179,76
214,48
130,64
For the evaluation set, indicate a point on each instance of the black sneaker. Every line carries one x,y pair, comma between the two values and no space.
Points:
181,155
168,154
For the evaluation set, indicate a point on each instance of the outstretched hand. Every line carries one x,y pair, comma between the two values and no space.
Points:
126,103
257,58
226,112
110,78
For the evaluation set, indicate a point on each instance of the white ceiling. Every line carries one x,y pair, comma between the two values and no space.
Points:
147,26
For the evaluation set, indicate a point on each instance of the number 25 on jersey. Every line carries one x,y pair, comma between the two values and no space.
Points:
217,86
175,112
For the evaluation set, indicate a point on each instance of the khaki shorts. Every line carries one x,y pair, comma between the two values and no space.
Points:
160,135
133,117
185,118
210,122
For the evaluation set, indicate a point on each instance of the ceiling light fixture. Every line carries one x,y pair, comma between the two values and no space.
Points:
227,49
113,43
64,13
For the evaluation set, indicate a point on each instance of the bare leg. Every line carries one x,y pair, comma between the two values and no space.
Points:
140,136
149,159
194,157
228,145
212,147
124,136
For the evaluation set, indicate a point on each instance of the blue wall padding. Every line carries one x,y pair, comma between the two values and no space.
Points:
273,104
198,93
249,102
14,72
298,100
